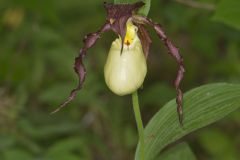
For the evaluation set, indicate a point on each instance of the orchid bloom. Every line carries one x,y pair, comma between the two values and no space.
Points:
126,68
125,72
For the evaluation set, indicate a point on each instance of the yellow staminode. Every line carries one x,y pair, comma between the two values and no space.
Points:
131,32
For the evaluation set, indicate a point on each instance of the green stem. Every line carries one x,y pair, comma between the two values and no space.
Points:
139,123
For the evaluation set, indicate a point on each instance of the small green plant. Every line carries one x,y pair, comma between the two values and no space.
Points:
125,71
126,68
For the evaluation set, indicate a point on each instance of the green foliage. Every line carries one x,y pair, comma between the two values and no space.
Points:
228,12
202,106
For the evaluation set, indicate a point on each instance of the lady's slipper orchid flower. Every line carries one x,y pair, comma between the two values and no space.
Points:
125,71
125,68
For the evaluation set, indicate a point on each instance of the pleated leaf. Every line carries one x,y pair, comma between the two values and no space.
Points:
202,106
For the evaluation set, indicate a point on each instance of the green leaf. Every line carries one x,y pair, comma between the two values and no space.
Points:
202,106
228,12
143,11
181,151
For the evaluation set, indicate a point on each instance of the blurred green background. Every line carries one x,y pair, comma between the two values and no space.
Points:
38,43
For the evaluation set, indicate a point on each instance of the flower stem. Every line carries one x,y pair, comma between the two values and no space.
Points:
139,123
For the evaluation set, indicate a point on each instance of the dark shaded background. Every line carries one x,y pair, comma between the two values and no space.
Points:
38,43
